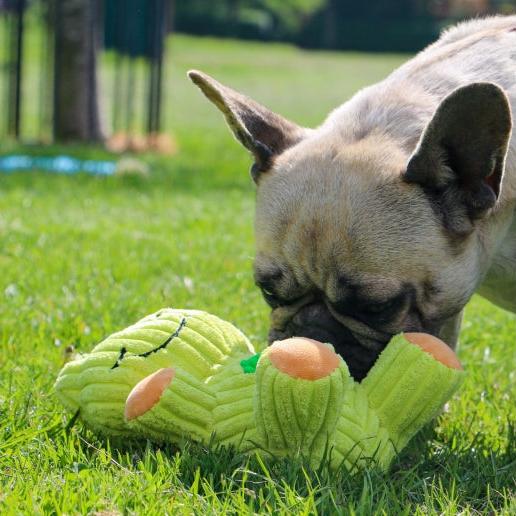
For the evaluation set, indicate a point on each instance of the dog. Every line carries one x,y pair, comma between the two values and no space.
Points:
390,215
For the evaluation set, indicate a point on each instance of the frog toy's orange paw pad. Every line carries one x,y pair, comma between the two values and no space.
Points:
303,358
147,392
435,347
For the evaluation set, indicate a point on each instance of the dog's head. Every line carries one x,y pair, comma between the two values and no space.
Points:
359,238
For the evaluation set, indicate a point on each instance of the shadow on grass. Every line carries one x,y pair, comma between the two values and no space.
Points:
475,475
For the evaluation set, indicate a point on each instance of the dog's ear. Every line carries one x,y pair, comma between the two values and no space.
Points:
261,131
460,159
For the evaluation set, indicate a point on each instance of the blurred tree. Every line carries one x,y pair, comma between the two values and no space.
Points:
375,25
367,25
292,13
76,110
251,19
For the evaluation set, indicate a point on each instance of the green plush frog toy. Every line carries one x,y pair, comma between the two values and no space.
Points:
180,374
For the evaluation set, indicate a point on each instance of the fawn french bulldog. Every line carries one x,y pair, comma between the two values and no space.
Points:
390,215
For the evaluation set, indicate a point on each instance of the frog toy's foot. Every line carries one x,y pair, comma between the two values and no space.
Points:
410,382
301,385
178,352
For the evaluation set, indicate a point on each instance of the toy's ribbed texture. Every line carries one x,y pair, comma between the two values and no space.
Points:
359,438
407,387
233,415
185,409
295,415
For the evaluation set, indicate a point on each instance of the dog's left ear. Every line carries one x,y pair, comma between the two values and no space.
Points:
460,159
264,133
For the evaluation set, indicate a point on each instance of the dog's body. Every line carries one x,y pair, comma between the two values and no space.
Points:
391,214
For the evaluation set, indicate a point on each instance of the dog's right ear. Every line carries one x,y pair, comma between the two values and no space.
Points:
261,131
460,159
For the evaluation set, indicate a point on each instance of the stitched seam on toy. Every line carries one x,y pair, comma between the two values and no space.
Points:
370,387
205,346
296,420
182,324
320,430
387,399
307,433
121,356
276,413
123,351
416,412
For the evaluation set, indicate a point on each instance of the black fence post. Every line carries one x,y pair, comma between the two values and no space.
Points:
15,67
159,22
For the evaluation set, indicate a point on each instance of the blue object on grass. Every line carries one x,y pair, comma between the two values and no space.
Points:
57,164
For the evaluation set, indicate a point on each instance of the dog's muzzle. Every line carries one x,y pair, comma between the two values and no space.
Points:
316,322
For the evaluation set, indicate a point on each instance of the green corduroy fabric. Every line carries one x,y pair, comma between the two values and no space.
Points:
418,388
222,391
294,415
98,383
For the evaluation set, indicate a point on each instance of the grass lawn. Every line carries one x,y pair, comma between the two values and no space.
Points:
81,257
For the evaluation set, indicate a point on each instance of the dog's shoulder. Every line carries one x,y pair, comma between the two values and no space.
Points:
479,50
474,50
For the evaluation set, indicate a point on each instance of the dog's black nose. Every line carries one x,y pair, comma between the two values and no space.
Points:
316,322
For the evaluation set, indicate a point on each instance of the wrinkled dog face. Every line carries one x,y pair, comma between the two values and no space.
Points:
351,256
358,240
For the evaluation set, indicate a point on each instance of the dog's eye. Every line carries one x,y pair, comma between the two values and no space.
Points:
267,292
272,300
380,308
